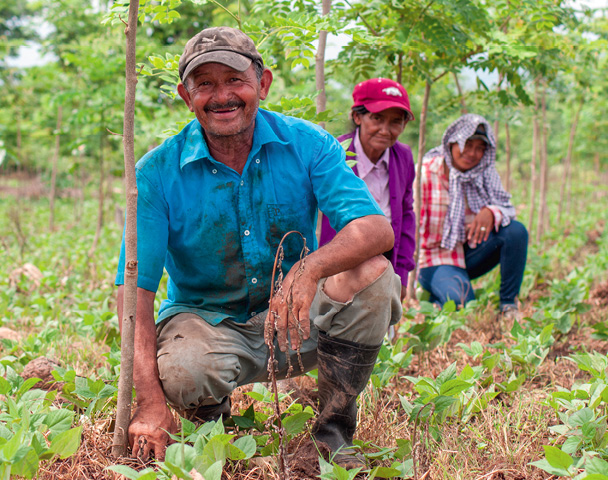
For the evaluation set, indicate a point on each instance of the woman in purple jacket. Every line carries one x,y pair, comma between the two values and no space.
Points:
380,112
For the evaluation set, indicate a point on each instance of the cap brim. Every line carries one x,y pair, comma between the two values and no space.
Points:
231,59
376,107
480,137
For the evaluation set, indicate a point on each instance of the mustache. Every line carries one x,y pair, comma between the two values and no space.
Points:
224,106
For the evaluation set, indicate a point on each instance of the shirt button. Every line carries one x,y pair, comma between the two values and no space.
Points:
254,280
242,183
214,171
257,160
246,232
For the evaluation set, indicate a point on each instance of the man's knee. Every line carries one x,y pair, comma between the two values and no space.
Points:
343,286
190,381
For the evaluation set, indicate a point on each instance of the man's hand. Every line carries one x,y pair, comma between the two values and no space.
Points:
479,229
148,431
291,307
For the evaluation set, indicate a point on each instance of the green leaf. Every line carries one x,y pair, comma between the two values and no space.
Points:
214,472
581,417
58,421
66,443
126,471
27,466
295,423
558,459
596,465
181,454
454,387
384,472
247,445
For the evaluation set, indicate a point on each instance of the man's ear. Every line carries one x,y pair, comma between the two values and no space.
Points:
356,118
265,83
183,92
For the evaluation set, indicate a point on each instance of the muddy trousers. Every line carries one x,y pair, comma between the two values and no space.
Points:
201,364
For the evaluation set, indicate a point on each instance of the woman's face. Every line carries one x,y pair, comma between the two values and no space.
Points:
470,156
379,131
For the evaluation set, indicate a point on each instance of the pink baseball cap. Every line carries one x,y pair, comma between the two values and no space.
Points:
377,94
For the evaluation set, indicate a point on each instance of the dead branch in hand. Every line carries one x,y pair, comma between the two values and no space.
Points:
269,334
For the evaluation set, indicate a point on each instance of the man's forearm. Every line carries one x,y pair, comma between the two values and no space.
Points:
357,242
148,387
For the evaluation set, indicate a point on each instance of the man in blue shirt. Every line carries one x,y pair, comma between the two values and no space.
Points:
214,202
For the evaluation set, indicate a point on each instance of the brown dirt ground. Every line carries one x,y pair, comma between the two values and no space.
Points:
496,444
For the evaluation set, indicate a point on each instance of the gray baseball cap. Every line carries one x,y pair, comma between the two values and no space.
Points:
480,133
225,45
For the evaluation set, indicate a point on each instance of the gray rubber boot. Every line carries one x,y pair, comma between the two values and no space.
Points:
344,370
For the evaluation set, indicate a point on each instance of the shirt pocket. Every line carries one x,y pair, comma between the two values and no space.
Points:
286,217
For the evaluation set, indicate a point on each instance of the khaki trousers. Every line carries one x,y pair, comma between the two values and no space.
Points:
200,364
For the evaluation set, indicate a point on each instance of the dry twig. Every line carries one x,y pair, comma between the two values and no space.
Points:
269,334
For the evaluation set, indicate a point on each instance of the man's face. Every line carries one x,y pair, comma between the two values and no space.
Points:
470,156
225,101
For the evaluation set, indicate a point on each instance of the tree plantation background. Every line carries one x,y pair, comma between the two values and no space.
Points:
455,395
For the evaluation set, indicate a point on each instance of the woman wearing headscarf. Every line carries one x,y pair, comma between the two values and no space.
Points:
380,112
467,224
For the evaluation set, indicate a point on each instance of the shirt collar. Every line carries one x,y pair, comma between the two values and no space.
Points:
196,148
364,164
436,164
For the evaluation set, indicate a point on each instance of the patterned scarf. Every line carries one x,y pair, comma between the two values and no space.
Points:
480,186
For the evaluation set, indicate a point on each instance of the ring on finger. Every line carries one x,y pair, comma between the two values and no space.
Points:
483,229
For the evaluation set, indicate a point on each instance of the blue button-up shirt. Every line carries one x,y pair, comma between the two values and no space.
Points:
216,232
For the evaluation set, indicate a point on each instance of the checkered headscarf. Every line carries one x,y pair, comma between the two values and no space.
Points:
481,185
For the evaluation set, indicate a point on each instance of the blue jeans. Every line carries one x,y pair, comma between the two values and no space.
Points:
508,246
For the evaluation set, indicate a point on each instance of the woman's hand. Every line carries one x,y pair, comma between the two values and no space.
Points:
479,229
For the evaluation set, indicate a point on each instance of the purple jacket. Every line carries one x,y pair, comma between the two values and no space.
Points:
401,179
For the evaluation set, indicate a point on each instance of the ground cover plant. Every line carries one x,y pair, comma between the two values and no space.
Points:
456,394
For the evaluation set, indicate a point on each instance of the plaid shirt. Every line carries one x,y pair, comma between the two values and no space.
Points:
435,197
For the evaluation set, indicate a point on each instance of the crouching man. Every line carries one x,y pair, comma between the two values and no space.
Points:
214,202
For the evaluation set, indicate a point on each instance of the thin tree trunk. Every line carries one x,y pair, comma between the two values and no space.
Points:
400,68
544,171
18,139
501,77
101,193
566,180
508,156
125,382
597,177
533,179
411,281
320,65
463,105
54,170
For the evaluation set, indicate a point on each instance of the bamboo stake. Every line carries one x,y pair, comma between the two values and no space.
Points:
544,171
53,191
508,156
533,163
411,281
320,65
100,202
125,383
568,163
463,105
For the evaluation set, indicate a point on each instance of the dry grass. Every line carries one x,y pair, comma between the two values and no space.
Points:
497,444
